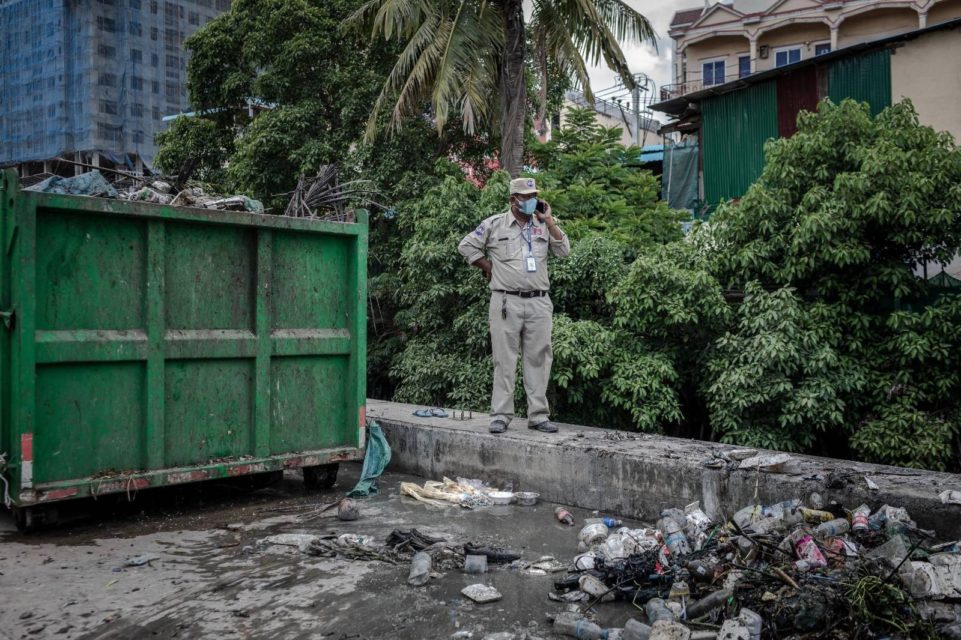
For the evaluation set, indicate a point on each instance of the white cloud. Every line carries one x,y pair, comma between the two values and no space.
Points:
645,59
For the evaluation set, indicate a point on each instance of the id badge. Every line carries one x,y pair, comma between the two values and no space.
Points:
531,264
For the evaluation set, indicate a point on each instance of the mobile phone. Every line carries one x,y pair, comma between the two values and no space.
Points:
540,206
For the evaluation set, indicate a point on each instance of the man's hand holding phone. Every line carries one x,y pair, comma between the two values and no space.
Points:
543,212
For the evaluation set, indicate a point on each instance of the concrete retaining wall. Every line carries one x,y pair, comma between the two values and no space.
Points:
637,475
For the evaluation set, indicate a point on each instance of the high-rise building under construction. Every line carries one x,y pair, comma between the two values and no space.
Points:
91,80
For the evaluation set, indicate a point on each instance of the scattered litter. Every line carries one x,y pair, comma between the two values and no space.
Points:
462,492
481,593
475,564
526,498
348,510
376,459
300,540
770,463
872,485
494,555
91,183
549,564
420,566
139,561
950,497
136,189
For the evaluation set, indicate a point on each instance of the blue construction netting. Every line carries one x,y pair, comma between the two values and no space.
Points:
93,75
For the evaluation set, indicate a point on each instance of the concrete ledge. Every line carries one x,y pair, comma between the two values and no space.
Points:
637,475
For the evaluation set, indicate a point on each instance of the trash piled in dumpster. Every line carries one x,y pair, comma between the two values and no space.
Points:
784,570
94,184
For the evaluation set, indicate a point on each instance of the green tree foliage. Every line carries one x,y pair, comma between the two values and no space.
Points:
588,174
845,349
198,140
310,85
468,57
442,355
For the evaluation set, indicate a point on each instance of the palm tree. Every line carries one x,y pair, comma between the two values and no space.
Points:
459,54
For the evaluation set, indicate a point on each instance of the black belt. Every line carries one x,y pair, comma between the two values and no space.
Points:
523,294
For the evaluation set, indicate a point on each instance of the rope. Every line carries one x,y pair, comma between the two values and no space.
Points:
7,500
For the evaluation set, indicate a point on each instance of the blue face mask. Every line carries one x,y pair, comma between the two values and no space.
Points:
527,207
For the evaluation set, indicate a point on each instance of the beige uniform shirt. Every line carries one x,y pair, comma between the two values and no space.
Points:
506,243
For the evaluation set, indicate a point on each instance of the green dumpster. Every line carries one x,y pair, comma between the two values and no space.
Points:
146,345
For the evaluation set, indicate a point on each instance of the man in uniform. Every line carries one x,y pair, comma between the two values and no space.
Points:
518,243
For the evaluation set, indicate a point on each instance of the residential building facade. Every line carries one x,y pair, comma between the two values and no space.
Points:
732,121
726,41
93,79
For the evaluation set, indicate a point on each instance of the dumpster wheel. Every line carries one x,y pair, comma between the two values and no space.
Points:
320,477
30,519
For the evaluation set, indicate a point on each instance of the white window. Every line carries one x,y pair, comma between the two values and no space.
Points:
787,55
820,48
712,72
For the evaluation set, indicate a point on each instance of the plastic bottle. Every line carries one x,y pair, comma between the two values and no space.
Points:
673,536
859,519
564,516
778,510
593,534
611,523
419,569
815,516
833,527
708,603
702,570
635,630
656,609
568,624
676,515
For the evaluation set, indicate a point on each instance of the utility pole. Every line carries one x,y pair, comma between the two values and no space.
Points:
636,99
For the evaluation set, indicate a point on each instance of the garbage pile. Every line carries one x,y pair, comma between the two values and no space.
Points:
784,570
94,184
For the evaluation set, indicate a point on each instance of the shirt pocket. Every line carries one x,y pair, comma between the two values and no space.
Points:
540,247
504,247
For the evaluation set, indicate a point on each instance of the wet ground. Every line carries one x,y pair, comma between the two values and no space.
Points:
211,578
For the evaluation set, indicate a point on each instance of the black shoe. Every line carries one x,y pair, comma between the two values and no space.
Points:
498,426
545,427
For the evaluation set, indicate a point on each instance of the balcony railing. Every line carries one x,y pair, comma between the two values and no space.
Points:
671,91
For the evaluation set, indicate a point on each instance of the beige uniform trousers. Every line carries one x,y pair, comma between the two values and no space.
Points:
527,327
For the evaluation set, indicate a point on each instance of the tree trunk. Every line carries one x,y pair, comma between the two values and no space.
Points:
513,89
540,123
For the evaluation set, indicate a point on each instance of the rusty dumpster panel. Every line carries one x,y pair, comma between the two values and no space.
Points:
149,345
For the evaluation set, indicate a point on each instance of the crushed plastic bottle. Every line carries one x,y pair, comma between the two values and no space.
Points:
575,626
635,630
656,609
832,528
859,519
816,516
708,603
593,534
564,516
419,569
673,536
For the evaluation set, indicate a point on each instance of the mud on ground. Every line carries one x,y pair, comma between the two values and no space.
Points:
211,578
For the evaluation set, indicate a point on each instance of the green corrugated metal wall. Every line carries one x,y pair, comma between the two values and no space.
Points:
733,131
734,126
865,78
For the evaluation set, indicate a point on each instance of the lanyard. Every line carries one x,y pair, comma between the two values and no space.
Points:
528,238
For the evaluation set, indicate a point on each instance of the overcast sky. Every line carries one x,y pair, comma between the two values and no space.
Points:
656,64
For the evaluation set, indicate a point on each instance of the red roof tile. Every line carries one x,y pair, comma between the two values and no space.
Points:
686,16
